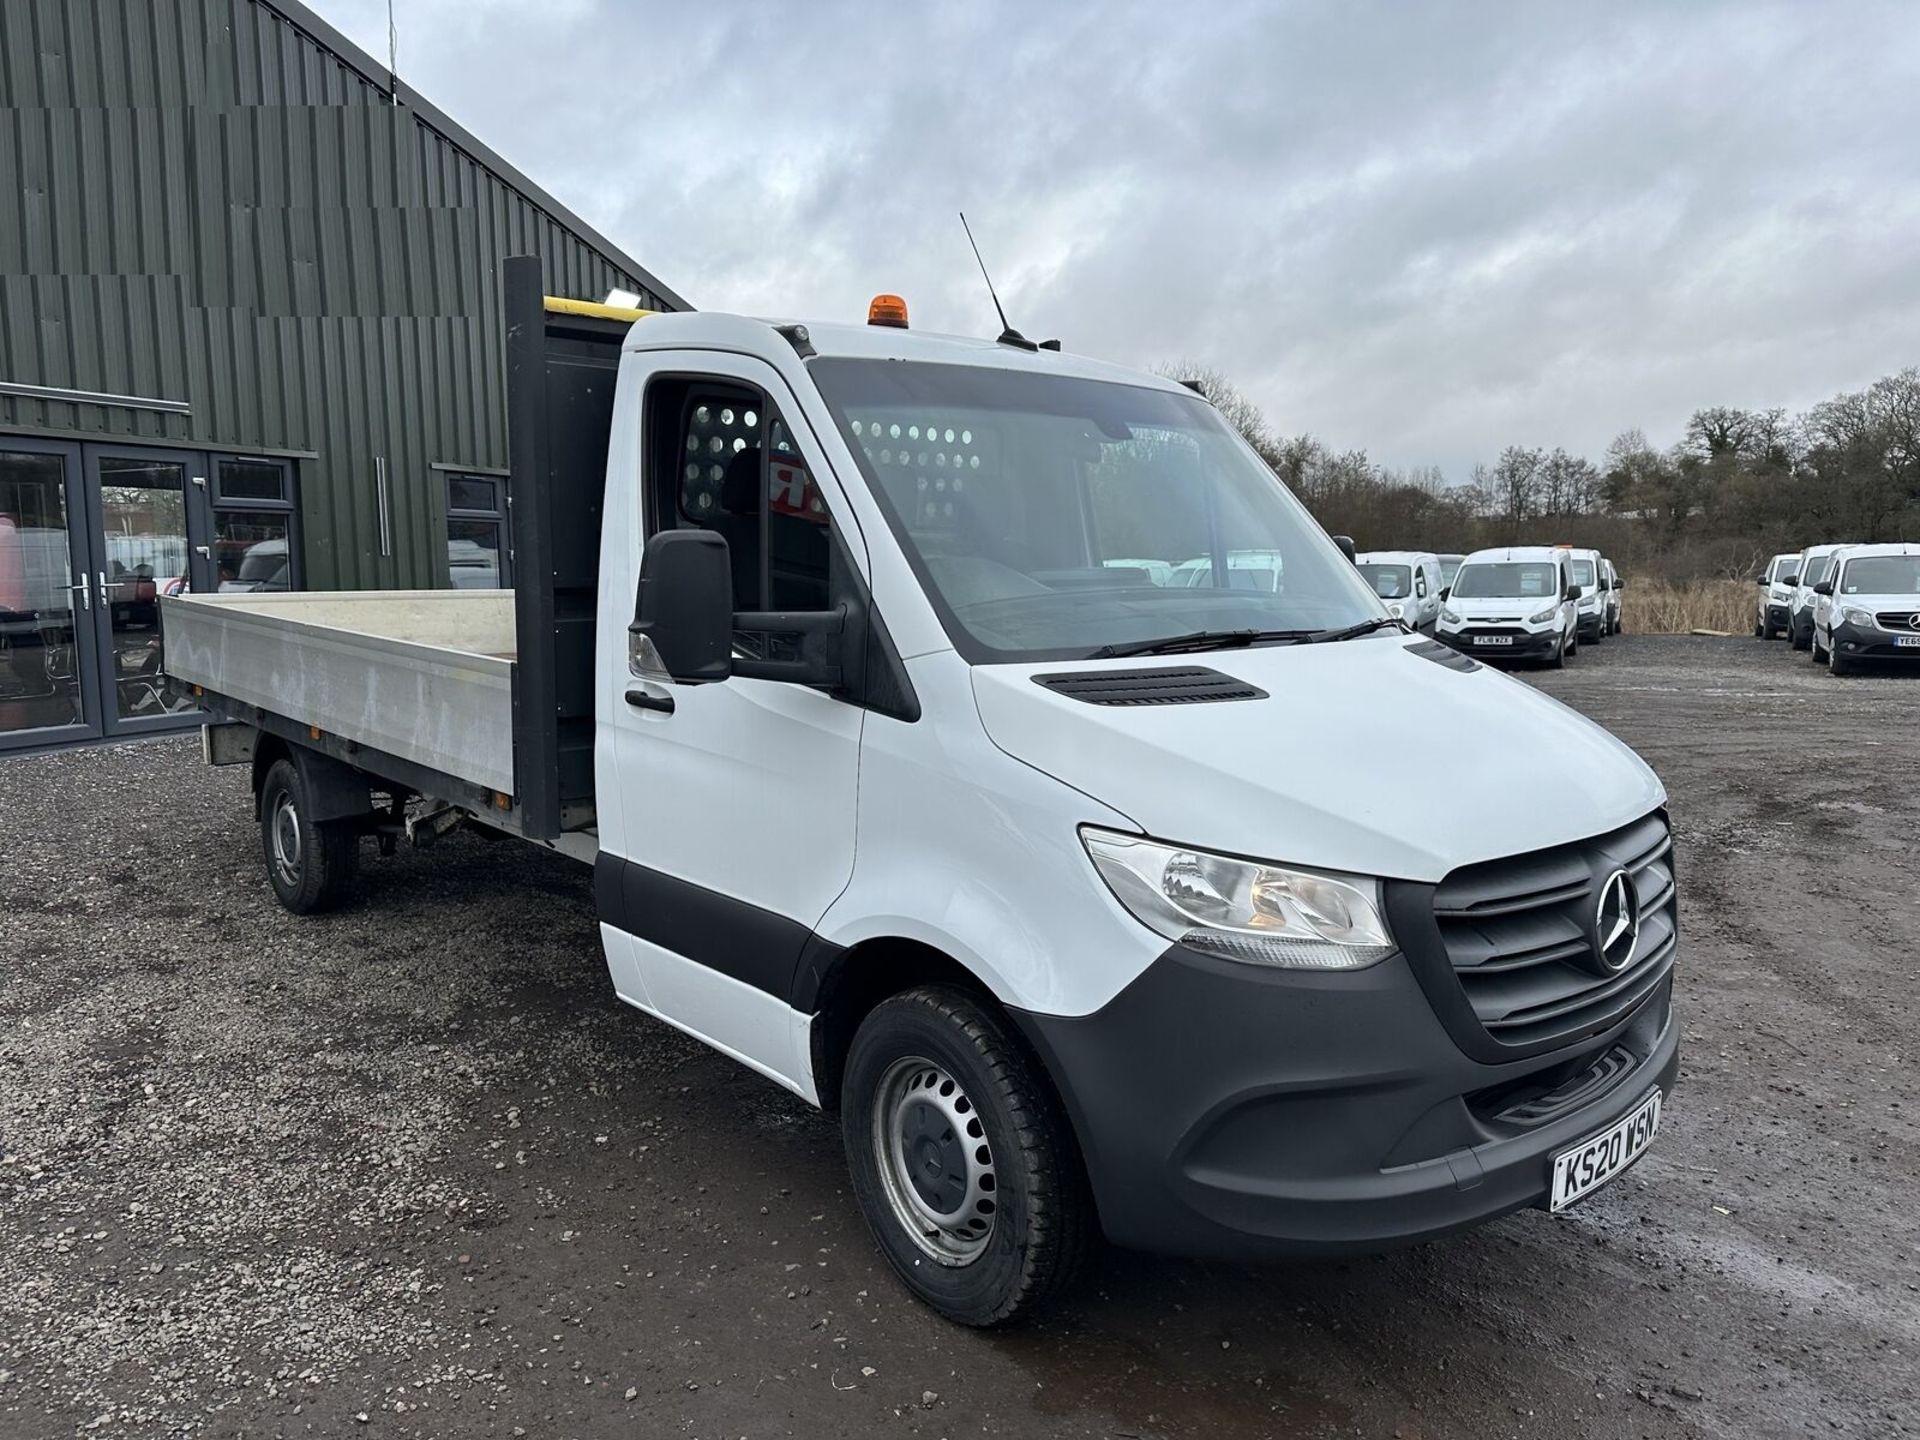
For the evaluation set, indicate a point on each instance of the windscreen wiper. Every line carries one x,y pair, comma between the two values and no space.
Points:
1352,632
1198,640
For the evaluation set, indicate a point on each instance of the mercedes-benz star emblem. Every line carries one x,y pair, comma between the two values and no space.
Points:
1913,622
1617,923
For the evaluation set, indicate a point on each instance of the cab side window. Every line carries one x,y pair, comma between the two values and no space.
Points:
724,459
1419,582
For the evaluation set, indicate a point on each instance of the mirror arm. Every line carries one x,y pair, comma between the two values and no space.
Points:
807,624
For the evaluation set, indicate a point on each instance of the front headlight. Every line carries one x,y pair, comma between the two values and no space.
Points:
1447,617
1544,616
1242,909
1855,616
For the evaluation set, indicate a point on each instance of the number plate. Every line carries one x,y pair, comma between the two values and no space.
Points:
1582,1170
1497,639
1907,642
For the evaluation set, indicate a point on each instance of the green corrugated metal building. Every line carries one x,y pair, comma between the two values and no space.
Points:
250,292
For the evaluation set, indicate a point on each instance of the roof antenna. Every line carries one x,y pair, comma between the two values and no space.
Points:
1008,335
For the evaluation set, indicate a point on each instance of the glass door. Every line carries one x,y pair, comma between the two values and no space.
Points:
148,524
48,677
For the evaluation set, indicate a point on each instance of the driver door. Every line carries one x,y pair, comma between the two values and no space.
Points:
732,827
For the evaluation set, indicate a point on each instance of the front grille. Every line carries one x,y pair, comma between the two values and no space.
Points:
1900,620
1521,936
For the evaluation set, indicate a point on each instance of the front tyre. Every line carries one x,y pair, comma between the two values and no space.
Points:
310,864
961,1158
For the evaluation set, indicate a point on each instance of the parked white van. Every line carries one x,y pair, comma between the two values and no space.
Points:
1610,594
1515,603
1591,608
1408,581
1775,602
1811,568
1869,608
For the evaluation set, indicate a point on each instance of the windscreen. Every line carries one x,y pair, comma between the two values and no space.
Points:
1449,567
1508,580
1582,572
1389,582
1815,570
1050,517
1881,575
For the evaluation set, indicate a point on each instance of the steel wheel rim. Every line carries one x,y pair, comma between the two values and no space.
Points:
935,1163
285,830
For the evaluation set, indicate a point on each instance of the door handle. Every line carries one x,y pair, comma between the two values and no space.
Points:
641,700
101,575
85,591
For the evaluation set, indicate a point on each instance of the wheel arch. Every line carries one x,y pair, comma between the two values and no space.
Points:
841,987
335,790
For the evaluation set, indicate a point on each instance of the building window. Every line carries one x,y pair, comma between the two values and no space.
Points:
478,555
255,530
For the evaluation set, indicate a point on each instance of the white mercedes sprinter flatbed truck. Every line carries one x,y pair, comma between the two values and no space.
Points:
1091,903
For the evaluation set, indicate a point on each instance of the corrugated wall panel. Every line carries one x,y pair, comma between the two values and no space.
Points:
217,201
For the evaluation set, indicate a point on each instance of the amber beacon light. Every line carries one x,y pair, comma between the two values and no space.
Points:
888,310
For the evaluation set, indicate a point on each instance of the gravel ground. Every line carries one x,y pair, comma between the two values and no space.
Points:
411,1170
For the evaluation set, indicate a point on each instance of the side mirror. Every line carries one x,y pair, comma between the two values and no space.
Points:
1572,592
1759,579
1445,591
683,609
1345,542
1825,587
1619,584
1789,579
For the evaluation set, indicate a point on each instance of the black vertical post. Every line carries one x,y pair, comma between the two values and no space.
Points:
530,521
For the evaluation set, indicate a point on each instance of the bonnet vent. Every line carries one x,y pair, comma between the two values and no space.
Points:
1443,655
1181,685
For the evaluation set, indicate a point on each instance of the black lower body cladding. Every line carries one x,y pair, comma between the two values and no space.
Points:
1240,1112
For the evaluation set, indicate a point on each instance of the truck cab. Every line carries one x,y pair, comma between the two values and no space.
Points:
1407,582
980,742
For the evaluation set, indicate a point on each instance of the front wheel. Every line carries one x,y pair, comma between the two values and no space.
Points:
962,1160
1838,664
310,864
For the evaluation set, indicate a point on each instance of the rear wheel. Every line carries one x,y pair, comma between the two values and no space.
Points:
961,1158
310,864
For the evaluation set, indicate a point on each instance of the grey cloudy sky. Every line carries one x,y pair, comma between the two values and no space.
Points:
1429,230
